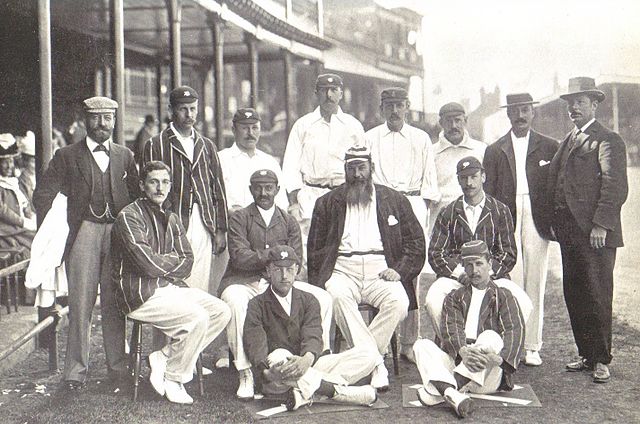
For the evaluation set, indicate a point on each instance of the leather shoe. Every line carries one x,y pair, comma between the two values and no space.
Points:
601,373
73,385
580,365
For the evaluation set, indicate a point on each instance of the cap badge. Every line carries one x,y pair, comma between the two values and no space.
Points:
330,79
284,255
263,172
248,114
186,93
465,164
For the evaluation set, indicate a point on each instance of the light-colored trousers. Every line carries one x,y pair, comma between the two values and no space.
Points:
530,271
354,281
190,318
237,296
434,364
342,369
202,246
443,286
89,266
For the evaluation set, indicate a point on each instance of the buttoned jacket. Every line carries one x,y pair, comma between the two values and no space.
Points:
500,168
402,236
451,231
595,180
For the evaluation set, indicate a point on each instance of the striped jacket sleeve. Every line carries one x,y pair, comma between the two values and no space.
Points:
219,197
440,253
453,323
512,327
503,249
132,230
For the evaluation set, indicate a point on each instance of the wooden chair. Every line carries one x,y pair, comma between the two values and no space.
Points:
372,311
135,359
8,257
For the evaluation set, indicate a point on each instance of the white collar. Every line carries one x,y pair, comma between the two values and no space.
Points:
515,137
285,301
92,144
480,205
585,126
267,214
404,131
318,116
445,144
191,137
236,151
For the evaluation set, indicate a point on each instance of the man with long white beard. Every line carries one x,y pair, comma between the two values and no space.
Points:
366,246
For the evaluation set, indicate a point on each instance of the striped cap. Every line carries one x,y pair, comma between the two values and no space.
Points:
357,153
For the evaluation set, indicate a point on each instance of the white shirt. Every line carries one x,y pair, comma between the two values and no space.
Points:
585,126
520,147
447,156
315,149
237,167
404,160
473,314
361,232
284,301
473,213
188,143
101,158
266,214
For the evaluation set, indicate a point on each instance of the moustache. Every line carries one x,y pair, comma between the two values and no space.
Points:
250,139
521,121
395,116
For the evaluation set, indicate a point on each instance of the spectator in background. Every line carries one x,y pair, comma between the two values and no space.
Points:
145,133
27,177
17,220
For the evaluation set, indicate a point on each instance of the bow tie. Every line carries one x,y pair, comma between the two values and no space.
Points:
101,148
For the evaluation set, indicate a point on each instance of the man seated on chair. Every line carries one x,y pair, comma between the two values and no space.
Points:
283,339
151,259
252,231
482,338
366,246
473,216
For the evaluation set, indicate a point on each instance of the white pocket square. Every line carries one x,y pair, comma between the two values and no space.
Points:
124,177
392,220
543,162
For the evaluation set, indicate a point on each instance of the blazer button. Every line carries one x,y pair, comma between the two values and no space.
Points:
266,246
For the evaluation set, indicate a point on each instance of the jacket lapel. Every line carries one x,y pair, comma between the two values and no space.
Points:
341,205
486,306
276,307
117,173
507,148
486,212
256,217
461,217
175,143
534,142
83,162
198,148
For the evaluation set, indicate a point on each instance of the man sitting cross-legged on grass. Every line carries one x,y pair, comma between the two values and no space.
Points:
283,339
482,339
151,259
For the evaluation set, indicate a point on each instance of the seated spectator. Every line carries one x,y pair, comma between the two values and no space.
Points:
366,246
482,339
283,338
27,177
252,231
473,216
151,259
17,219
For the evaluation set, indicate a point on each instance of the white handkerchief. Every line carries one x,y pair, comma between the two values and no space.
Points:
543,162
392,220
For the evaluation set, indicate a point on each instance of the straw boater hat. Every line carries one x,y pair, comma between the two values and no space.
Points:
519,99
8,146
583,85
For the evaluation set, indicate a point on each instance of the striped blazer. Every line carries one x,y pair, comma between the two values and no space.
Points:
149,249
198,182
451,231
499,312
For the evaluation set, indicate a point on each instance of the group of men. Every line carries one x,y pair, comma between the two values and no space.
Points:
370,208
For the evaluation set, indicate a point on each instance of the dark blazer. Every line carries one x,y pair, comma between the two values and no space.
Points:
595,184
402,236
499,312
451,231
149,249
249,241
69,172
500,168
268,327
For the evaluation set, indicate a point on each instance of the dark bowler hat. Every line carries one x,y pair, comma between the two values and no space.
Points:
583,85
246,115
468,166
263,176
182,94
8,146
329,80
474,249
357,153
282,256
394,93
519,99
99,104
451,108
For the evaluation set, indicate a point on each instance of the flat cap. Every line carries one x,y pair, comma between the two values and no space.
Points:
282,256
451,108
355,153
99,104
468,166
183,94
246,115
394,93
329,80
263,176
474,249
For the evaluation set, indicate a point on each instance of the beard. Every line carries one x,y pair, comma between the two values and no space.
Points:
359,192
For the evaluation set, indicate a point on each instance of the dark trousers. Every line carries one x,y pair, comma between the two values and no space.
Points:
587,276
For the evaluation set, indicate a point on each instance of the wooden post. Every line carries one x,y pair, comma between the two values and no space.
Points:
117,45
252,47
174,11
288,87
614,103
159,110
44,148
217,32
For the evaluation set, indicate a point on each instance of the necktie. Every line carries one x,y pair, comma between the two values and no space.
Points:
574,137
101,148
